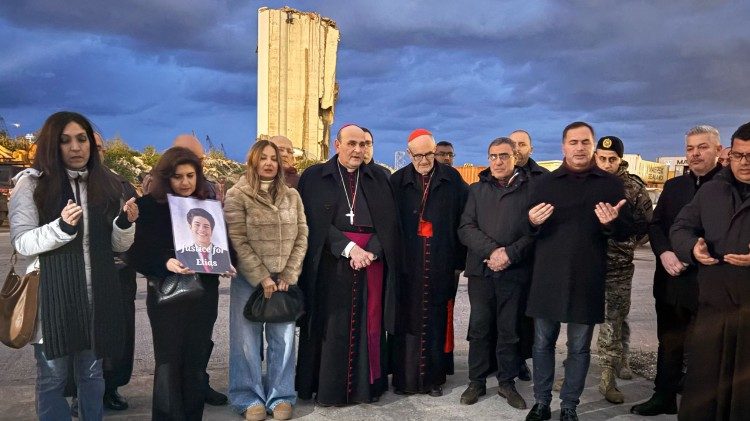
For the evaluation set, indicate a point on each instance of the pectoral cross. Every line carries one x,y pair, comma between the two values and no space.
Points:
351,217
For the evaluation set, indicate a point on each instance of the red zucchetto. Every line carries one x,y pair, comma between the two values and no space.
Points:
418,132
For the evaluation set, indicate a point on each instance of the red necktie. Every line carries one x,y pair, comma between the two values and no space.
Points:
204,255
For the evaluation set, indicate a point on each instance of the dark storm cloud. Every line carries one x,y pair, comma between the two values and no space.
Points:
204,33
645,71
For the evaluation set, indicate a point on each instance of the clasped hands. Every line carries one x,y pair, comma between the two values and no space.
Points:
702,255
360,258
605,212
498,260
269,286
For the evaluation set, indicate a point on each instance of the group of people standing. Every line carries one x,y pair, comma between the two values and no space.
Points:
377,257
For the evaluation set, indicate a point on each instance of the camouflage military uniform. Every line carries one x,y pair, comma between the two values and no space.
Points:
614,333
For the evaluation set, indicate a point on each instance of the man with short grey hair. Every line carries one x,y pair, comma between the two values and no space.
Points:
498,265
676,283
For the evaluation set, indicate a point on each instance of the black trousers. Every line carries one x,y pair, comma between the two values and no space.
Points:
117,371
493,304
182,334
672,328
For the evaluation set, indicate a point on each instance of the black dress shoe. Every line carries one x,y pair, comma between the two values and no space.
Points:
524,373
113,400
215,398
539,412
658,404
567,414
74,407
472,393
436,392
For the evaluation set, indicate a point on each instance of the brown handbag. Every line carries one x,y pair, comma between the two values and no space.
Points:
18,307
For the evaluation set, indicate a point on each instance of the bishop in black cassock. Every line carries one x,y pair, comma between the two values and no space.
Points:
348,278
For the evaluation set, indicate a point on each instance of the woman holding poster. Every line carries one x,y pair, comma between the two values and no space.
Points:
268,229
181,331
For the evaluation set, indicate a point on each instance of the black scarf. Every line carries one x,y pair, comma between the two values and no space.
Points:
70,323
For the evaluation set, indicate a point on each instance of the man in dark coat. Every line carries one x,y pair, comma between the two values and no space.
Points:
370,151
524,148
286,150
349,276
522,140
675,283
430,197
444,153
713,232
576,208
499,242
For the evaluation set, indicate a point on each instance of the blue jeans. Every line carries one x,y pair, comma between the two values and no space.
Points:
51,377
247,385
576,364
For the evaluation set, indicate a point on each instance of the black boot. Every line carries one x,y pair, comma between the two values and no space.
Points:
660,403
472,393
115,401
213,397
539,412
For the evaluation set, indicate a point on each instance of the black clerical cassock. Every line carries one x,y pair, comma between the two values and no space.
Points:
430,208
342,341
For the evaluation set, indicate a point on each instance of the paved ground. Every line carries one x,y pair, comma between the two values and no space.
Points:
17,371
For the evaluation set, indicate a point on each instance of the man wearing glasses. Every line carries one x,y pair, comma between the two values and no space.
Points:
430,198
713,232
370,150
444,153
675,282
499,241
576,208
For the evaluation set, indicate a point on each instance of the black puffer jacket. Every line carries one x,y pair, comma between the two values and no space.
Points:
495,217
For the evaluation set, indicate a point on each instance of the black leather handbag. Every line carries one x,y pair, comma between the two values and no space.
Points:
178,288
282,307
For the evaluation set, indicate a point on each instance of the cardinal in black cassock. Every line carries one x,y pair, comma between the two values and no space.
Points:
430,197
348,278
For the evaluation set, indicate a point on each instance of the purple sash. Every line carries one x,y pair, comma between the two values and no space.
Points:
374,305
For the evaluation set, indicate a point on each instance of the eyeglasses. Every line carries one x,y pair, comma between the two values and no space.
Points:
444,154
421,156
503,156
739,156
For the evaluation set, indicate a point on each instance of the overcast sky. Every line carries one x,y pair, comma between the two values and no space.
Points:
147,70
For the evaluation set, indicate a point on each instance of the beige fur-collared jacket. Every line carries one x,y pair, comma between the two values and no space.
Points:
269,237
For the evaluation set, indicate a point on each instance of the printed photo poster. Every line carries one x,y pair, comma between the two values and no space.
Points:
199,233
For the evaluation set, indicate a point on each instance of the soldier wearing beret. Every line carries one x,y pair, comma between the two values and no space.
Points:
614,334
